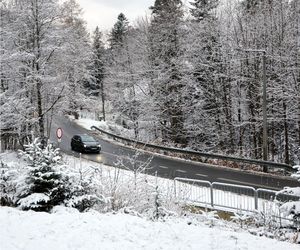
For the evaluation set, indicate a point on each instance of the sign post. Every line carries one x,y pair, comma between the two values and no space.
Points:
59,134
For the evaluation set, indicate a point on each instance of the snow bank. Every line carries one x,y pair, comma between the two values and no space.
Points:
106,126
87,123
66,228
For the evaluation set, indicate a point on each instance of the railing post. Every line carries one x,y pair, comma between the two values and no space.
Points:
211,195
255,200
175,187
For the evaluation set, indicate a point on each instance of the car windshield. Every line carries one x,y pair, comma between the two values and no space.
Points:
87,138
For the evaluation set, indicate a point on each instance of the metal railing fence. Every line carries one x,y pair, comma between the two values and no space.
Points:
225,195
192,153
231,197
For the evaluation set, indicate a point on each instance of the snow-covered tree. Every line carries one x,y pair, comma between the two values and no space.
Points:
209,112
83,190
201,9
45,185
45,53
123,76
29,42
118,32
76,60
175,78
46,182
168,66
117,66
98,68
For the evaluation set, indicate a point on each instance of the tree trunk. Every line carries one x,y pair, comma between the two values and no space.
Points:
286,135
37,46
103,101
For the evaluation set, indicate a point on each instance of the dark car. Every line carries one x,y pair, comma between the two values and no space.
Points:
85,144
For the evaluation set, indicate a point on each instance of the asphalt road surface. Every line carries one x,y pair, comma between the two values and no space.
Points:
115,154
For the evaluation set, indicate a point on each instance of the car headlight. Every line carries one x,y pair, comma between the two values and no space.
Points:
99,146
84,145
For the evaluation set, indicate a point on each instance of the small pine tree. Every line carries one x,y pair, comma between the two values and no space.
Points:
7,188
45,184
83,191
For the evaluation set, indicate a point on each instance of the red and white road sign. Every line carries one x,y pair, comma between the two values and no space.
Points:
59,133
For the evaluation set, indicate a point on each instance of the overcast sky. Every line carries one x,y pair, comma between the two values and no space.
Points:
104,13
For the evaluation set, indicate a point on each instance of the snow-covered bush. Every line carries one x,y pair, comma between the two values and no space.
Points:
210,217
241,217
159,204
135,192
268,216
292,209
127,192
84,190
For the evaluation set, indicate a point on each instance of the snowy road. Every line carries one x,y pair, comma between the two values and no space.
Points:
113,154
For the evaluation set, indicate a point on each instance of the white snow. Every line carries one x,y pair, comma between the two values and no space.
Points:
67,229
87,123
32,200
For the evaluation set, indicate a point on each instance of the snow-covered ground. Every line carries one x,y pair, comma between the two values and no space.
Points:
87,123
113,128
66,228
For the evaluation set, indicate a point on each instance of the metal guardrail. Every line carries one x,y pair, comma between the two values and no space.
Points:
198,154
231,197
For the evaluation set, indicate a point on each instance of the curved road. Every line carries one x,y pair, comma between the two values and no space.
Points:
114,154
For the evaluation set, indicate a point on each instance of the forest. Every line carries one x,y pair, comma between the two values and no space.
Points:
187,76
